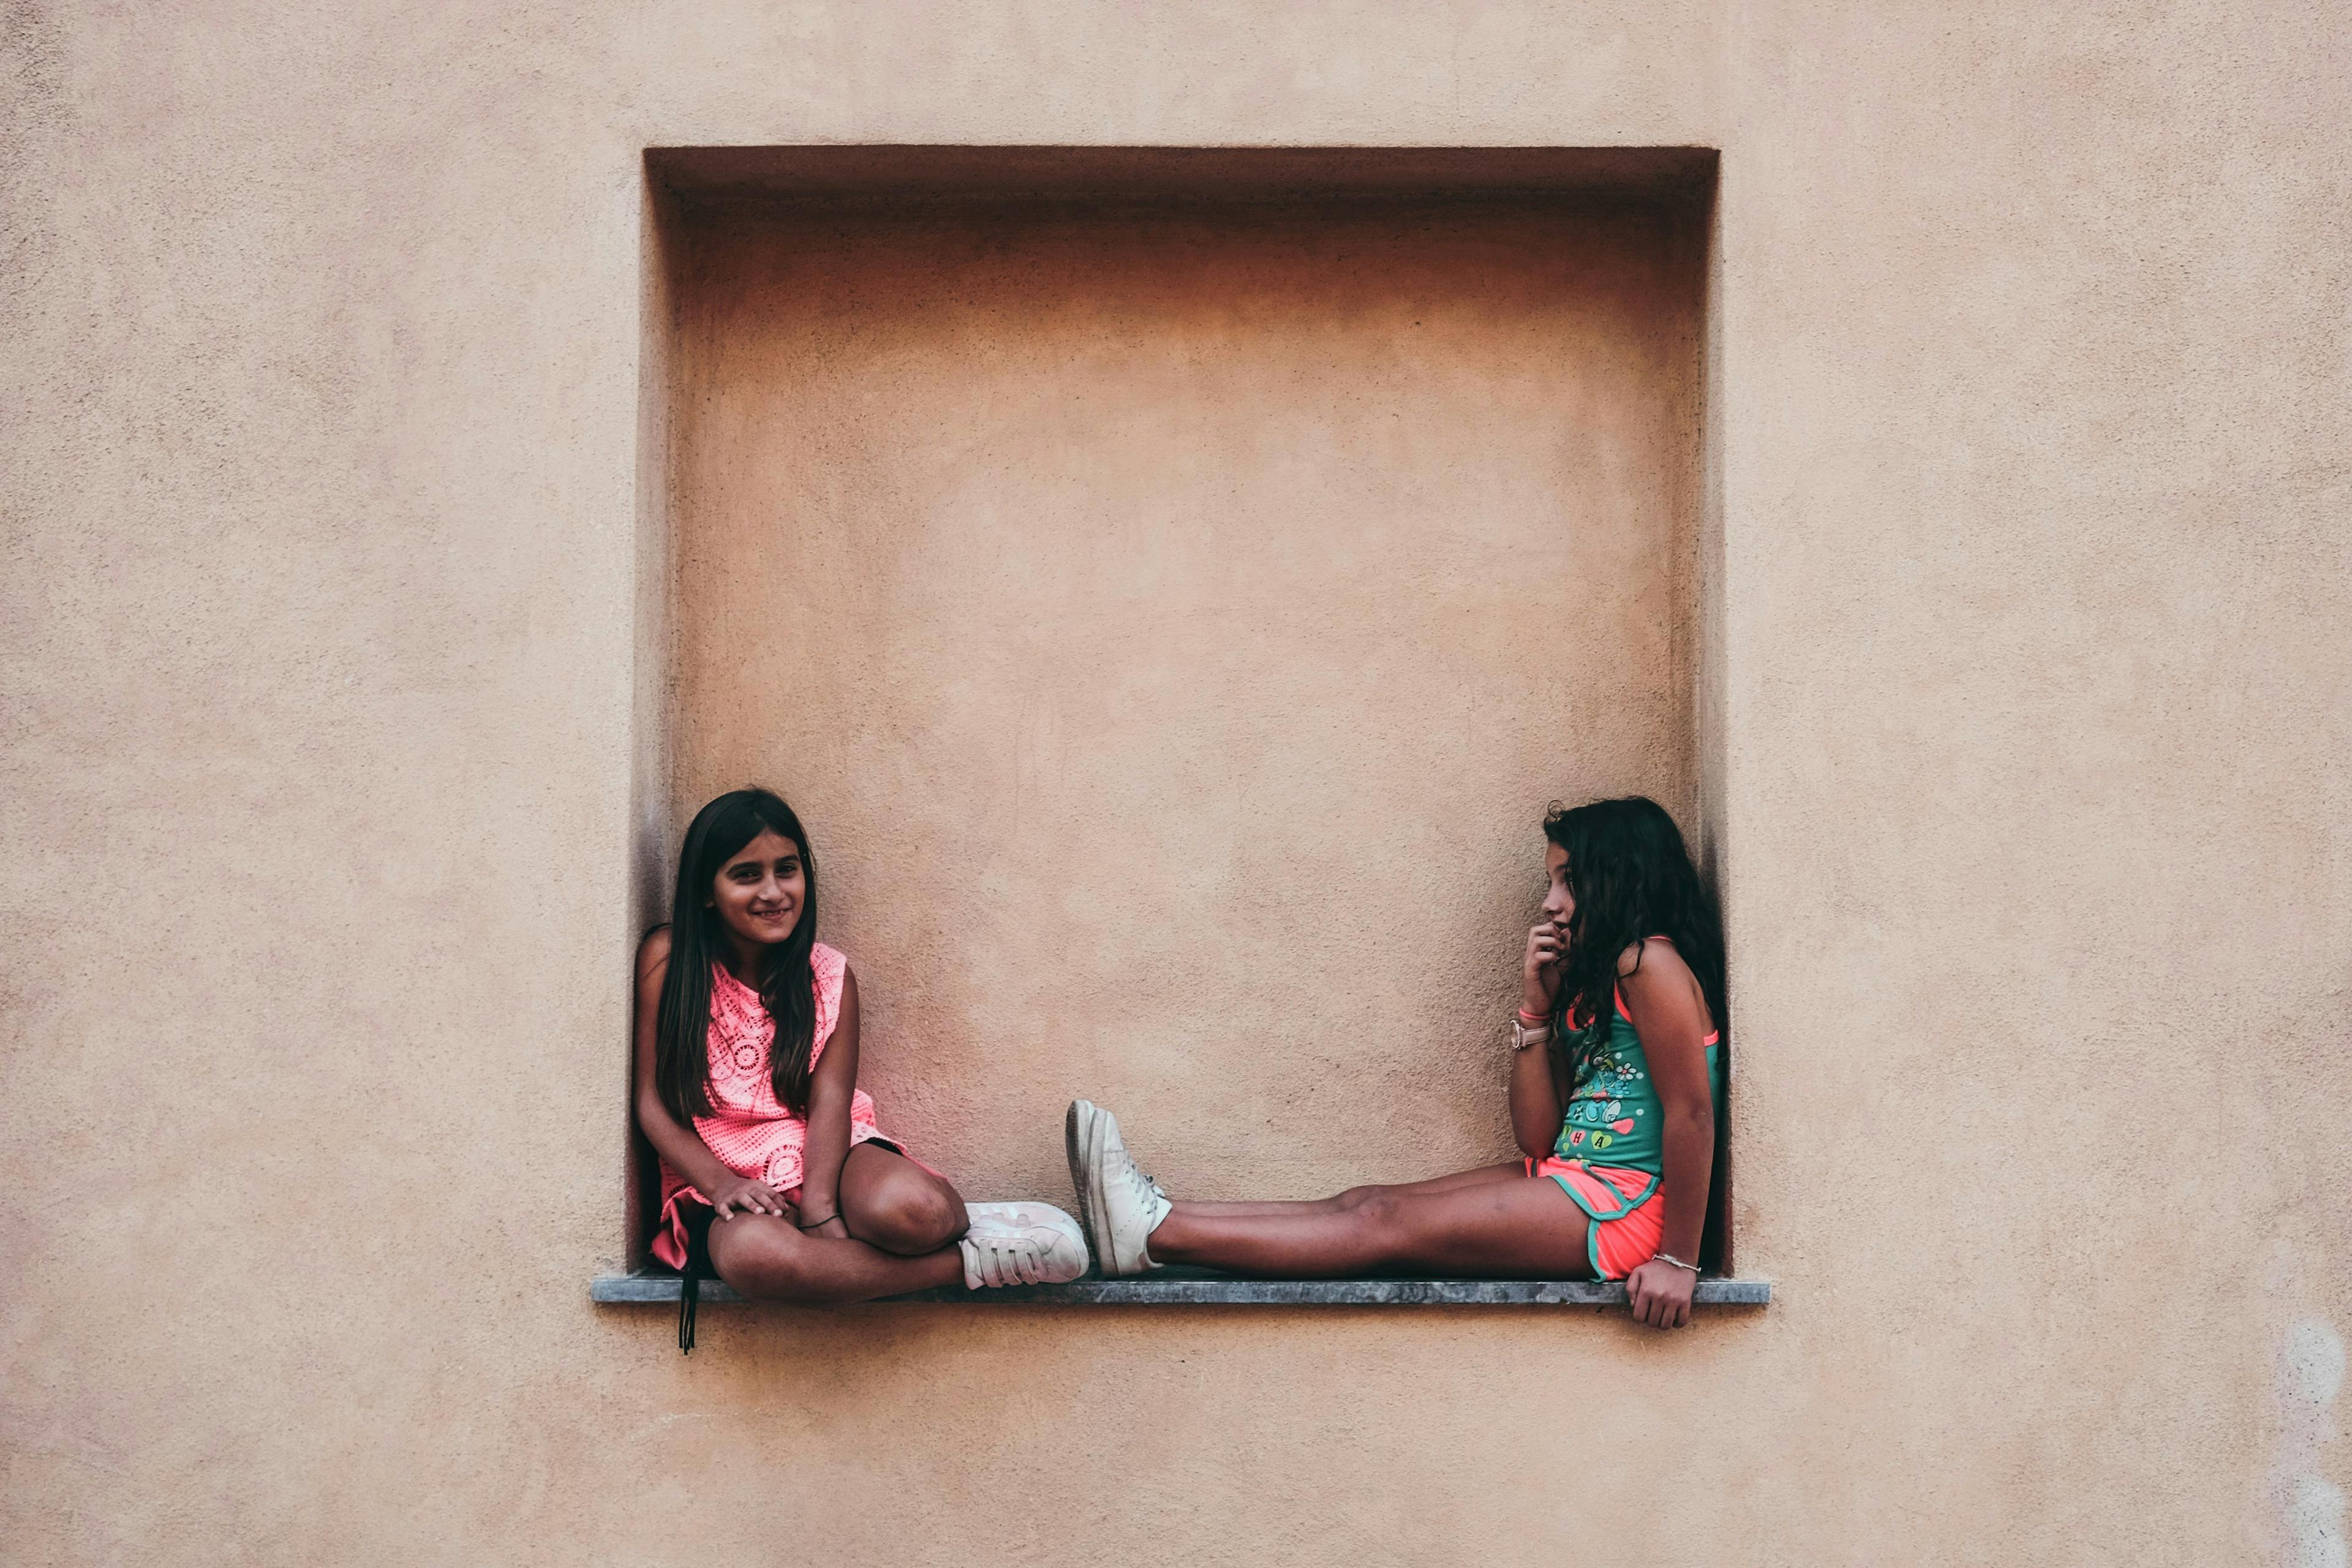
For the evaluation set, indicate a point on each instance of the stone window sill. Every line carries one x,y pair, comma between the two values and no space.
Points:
1199,1288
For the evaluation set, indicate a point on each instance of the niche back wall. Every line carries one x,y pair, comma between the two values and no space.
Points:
1171,617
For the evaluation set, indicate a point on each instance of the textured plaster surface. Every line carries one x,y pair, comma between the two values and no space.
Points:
1173,616
322,640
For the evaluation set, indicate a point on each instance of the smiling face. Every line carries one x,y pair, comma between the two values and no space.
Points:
1559,901
760,890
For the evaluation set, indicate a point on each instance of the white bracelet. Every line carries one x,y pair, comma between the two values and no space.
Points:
1670,1258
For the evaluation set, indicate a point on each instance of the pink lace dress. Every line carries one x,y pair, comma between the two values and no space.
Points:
751,1132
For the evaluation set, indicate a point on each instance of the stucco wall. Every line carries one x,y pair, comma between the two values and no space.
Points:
1182,615
324,672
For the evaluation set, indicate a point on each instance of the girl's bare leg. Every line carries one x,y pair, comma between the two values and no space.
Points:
889,1202
1509,1170
767,1259
903,1224
1514,1228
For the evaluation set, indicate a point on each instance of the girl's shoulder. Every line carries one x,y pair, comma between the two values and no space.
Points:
1653,966
1653,974
653,953
830,967
1650,949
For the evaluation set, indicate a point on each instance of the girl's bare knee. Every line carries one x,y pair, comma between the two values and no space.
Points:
1378,1215
909,1217
1354,1198
929,1217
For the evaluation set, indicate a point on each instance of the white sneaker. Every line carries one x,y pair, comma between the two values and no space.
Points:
1120,1205
1020,1244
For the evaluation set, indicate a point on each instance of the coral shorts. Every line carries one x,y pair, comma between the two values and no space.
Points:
1627,1219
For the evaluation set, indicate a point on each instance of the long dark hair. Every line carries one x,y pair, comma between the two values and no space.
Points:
1632,877
786,983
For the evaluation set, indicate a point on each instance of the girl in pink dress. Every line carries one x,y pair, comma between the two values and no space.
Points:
775,1174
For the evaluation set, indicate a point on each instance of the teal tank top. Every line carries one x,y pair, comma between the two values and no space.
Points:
1614,1117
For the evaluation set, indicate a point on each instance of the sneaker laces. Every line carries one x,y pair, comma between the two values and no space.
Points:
1145,1187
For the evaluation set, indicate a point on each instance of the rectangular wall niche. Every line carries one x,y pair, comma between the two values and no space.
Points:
1170,584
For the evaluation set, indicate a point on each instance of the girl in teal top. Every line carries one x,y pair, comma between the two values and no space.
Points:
1616,1090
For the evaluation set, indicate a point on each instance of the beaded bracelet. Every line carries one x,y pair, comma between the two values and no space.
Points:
1670,1258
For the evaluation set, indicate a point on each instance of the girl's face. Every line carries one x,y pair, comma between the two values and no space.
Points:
760,892
1559,904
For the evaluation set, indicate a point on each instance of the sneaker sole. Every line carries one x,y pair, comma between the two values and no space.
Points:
1074,1151
1090,1145
1095,1133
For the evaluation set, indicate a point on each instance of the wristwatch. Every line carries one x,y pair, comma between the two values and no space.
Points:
1524,1035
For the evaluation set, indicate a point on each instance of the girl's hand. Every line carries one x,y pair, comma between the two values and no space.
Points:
1661,1294
741,1194
1539,976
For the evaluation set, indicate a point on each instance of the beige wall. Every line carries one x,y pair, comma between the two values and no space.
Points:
327,624
1184,615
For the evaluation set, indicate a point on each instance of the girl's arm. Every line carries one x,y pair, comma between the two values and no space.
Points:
1536,1109
830,1089
683,1147
1669,1012
1537,1105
